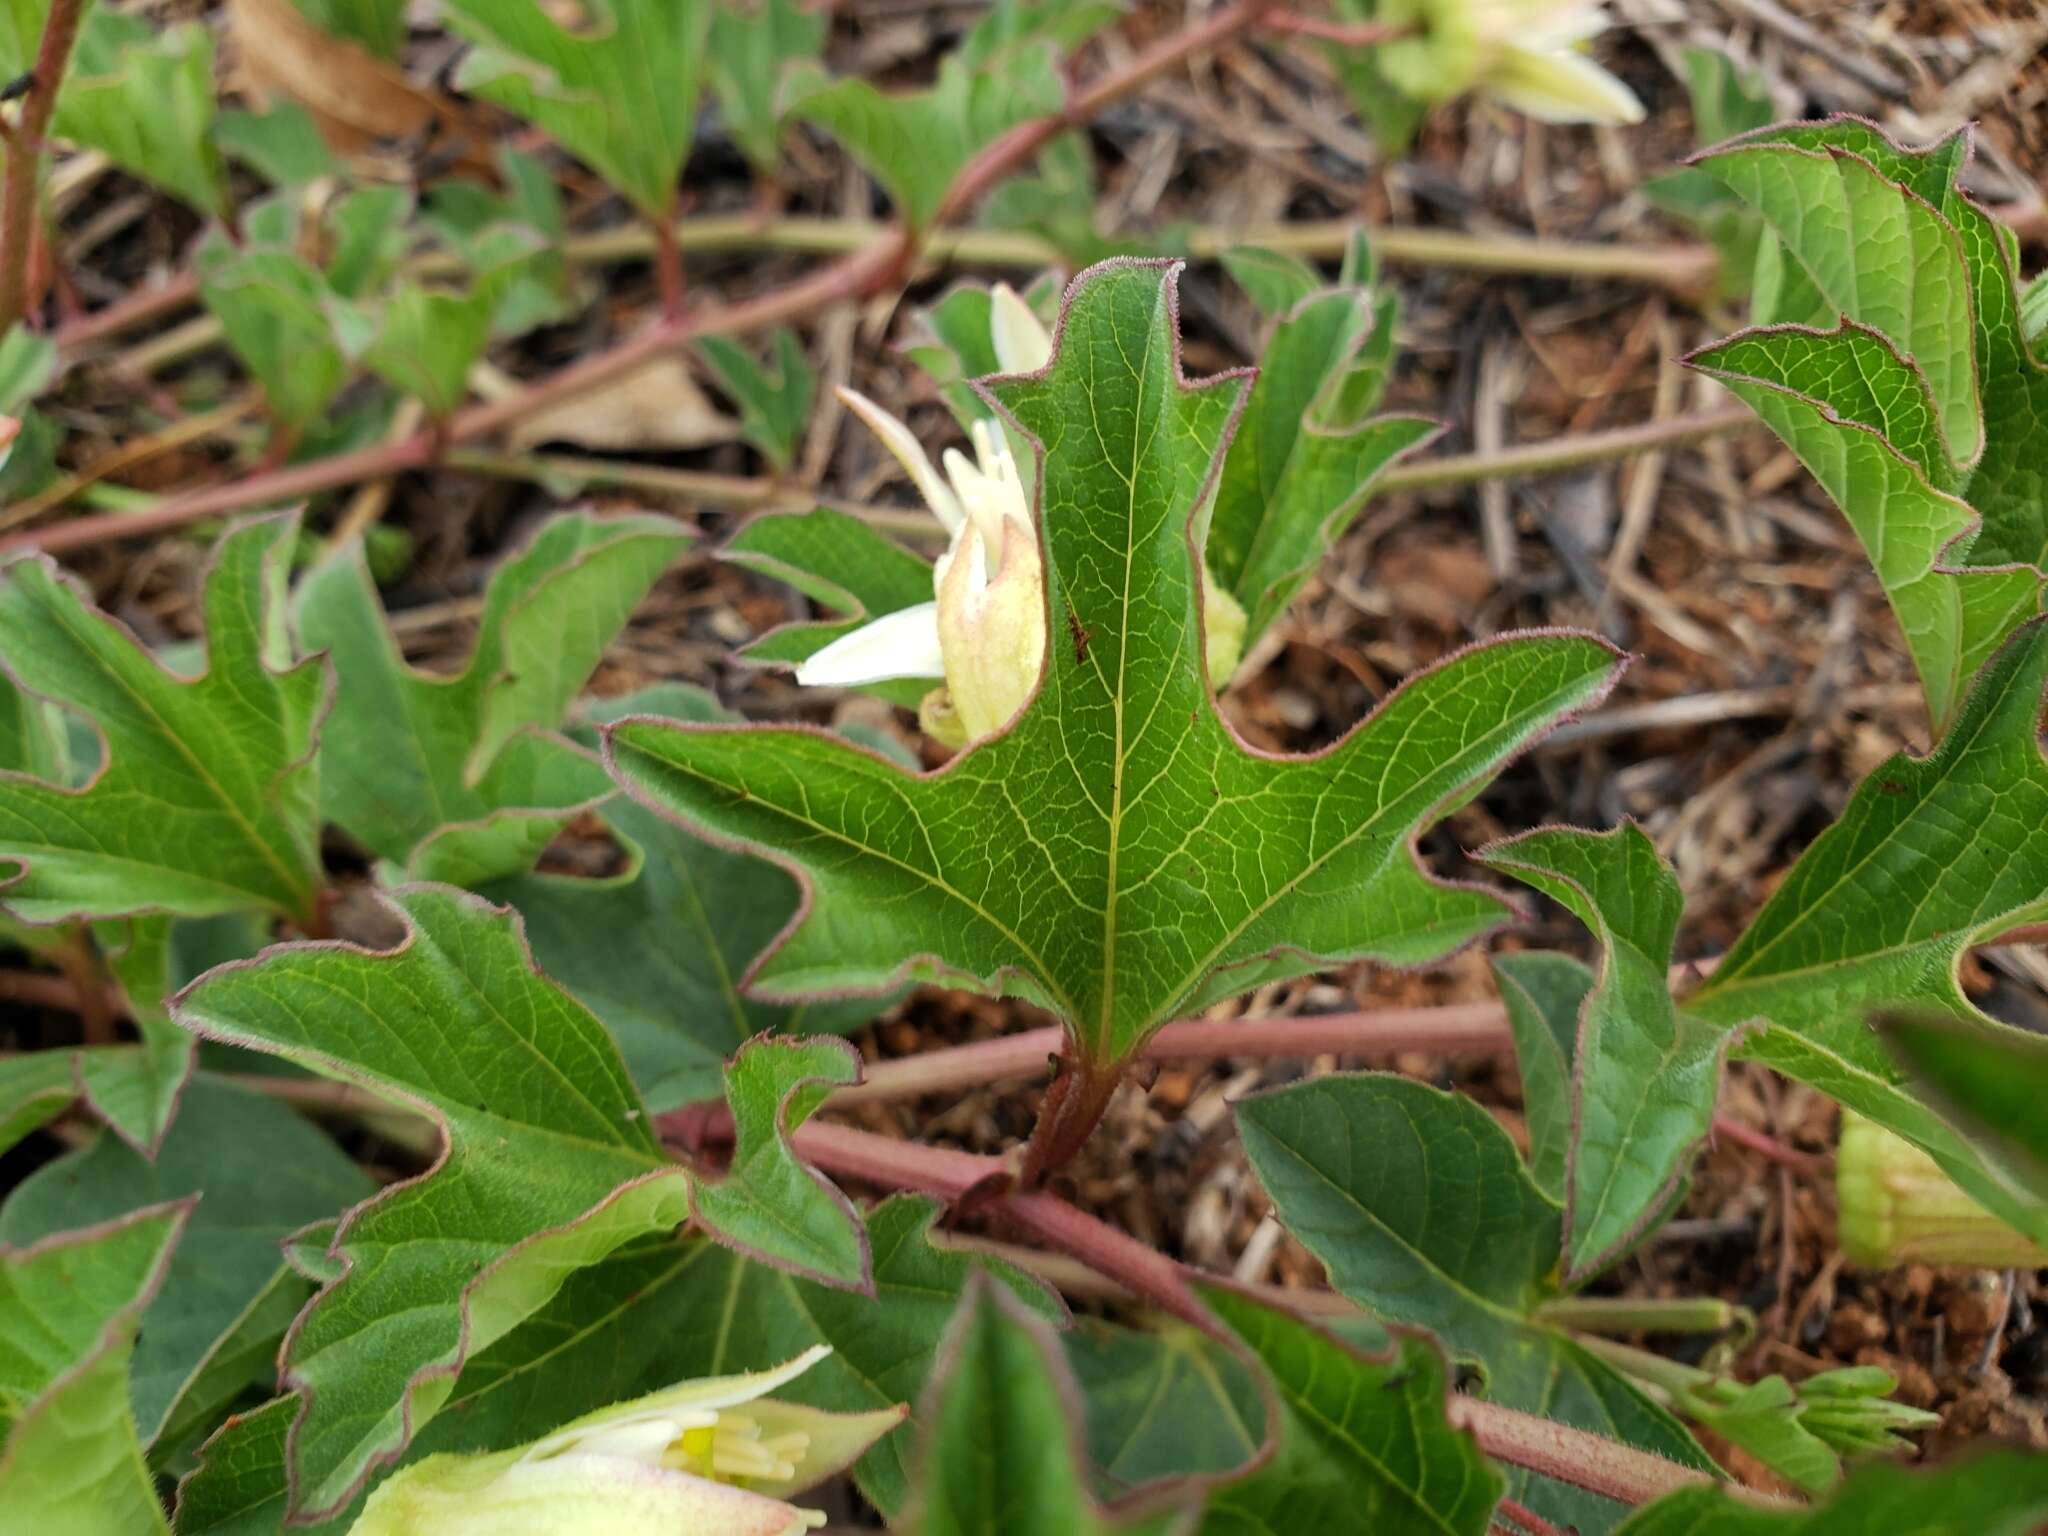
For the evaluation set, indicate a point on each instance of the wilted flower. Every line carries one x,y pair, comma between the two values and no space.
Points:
716,1457
984,631
1526,54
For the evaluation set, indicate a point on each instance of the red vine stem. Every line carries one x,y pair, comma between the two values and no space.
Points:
869,269
25,157
1557,1451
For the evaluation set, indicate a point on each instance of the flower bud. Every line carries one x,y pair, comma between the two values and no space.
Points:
704,1458
1526,54
991,627
1022,343
1898,1207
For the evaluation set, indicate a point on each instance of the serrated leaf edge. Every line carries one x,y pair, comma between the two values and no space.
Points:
1577,1272
449,1369
287,524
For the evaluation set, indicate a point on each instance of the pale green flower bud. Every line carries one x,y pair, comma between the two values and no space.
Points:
1898,1207
1022,343
1223,621
1528,55
716,1457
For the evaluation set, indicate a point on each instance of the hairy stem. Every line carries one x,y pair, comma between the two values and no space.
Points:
25,157
1557,1451
1634,1314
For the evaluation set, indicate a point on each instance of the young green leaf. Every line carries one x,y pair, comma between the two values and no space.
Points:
1165,1403
775,403
1956,517
1276,281
281,144
1117,854
1423,1214
1931,856
1726,101
916,144
1543,994
1392,117
953,342
1995,1493
841,562
754,44
142,94
461,778
1644,1075
548,1163
770,1205
619,91
273,307
1000,1455
262,1171
206,801
427,340
70,1308
650,1314
1364,1443
35,1088
1991,1082
1303,462
656,950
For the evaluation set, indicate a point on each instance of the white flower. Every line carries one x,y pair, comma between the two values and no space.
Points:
1526,54
984,631
683,1462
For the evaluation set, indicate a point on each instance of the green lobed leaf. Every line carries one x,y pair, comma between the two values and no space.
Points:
461,778
754,44
257,1172
952,342
1889,241
69,1311
1117,854
1000,1456
282,143
206,801
1364,1442
1165,1403
618,91
770,1205
841,562
655,1312
1644,1076
142,94
656,951
428,339
1990,1082
548,1165
272,307
35,1088
774,401
1422,1213
1995,1493
1302,465
1932,855
1543,994
917,143
1276,281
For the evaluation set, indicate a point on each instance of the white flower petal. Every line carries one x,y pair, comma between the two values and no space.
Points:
898,439
1561,88
900,644
1022,343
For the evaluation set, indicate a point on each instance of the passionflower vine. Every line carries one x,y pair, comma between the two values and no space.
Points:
716,1457
984,631
1529,55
